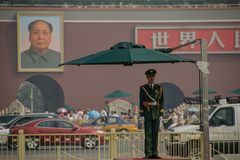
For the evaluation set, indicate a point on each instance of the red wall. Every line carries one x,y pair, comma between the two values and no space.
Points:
86,86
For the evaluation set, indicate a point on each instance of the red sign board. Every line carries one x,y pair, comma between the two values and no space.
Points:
219,40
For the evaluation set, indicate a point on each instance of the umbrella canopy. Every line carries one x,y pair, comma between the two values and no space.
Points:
93,114
210,91
61,110
235,91
127,53
69,108
192,109
117,94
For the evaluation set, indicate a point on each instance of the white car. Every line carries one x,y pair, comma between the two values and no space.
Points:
3,135
224,131
185,128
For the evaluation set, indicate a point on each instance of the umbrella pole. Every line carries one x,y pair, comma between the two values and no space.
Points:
204,101
203,83
169,50
185,44
200,98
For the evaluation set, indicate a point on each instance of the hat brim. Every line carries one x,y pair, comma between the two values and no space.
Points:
150,74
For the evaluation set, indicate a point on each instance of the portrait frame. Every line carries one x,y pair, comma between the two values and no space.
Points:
56,44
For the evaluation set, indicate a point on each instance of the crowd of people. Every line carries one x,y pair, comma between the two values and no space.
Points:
171,117
179,116
84,116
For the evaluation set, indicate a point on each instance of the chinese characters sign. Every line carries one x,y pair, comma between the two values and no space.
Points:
219,40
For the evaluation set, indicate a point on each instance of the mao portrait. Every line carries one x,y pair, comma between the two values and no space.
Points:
40,42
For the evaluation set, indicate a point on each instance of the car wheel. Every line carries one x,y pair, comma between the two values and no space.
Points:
11,143
32,143
123,133
90,142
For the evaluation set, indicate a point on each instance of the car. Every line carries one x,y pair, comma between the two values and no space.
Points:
3,135
6,118
224,124
28,117
105,123
40,130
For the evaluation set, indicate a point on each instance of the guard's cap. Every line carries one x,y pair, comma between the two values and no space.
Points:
150,72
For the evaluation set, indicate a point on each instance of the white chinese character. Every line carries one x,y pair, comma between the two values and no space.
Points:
215,37
186,37
237,39
160,40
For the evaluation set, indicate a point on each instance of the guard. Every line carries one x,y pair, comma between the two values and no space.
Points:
151,106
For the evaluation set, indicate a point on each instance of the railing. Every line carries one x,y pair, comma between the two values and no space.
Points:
225,144
109,146
114,145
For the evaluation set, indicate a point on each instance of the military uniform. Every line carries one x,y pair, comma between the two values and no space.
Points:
31,59
153,94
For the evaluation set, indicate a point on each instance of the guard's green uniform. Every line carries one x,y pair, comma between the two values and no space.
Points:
151,117
31,59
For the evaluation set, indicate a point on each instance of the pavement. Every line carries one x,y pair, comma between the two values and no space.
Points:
162,158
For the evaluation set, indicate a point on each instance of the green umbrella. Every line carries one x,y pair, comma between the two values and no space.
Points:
117,94
69,108
235,91
127,53
210,91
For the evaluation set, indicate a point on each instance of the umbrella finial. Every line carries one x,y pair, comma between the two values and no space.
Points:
126,45
164,50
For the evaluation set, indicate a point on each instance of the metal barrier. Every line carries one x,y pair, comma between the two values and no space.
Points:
109,146
223,144
56,147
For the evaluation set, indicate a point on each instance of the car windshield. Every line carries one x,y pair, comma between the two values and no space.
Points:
109,120
211,109
6,119
22,118
13,120
117,120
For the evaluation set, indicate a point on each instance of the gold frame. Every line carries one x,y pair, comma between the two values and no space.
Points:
31,16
